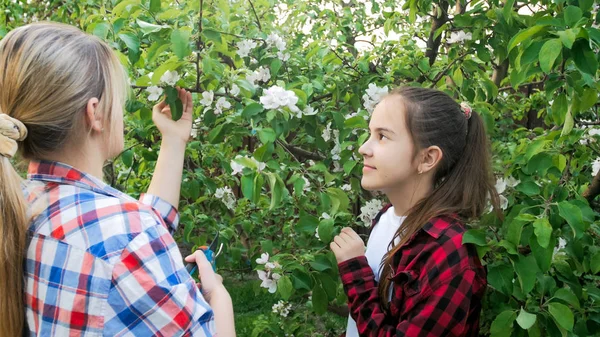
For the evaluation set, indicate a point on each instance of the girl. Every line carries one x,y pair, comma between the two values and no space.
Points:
430,157
97,262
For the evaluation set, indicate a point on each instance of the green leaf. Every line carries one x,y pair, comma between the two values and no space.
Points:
251,110
217,134
180,43
585,58
101,30
127,158
174,103
586,100
572,15
536,147
595,263
277,189
503,324
526,268
572,214
559,109
567,37
301,279
543,231
212,35
284,285
524,35
548,54
131,41
339,200
328,285
562,315
154,6
475,236
569,123
321,263
267,135
148,28
325,230
319,299
567,296
275,66
525,319
248,186
500,278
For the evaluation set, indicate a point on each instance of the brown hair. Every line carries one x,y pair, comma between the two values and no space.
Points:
48,73
463,179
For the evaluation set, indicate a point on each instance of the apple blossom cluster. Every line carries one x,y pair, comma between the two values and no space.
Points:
245,47
282,308
277,97
268,276
261,74
225,194
501,185
459,37
168,78
220,105
369,211
373,95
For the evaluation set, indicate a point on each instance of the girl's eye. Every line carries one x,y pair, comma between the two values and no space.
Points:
382,137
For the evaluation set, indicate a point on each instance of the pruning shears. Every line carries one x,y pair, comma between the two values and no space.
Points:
211,254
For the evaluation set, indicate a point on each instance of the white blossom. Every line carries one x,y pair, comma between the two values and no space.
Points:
194,132
245,47
276,40
283,56
155,93
261,74
207,98
170,78
346,187
500,185
264,258
370,210
325,216
269,280
317,233
282,308
235,90
373,96
327,132
306,184
277,97
512,182
460,36
237,168
562,243
227,197
337,167
503,202
222,104
336,151
596,166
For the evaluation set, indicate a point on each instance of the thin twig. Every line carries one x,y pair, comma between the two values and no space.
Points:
255,15
237,99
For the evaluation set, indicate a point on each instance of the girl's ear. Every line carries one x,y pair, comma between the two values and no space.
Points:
92,116
430,158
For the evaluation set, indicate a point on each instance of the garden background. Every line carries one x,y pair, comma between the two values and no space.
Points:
284,90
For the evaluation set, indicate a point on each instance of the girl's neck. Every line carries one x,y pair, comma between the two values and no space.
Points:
403,198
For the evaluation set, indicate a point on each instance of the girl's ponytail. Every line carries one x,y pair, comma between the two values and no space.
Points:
13,231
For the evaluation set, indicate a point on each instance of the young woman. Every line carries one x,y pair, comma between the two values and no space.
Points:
96,261
430,157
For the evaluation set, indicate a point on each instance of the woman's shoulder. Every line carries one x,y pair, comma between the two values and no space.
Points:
99,223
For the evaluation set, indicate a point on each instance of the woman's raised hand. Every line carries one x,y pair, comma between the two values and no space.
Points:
170,129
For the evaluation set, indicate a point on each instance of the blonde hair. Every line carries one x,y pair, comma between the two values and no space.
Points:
48,73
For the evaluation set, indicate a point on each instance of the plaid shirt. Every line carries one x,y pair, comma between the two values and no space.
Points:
100,263
438,286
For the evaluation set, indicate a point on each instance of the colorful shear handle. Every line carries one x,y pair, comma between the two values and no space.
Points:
192,267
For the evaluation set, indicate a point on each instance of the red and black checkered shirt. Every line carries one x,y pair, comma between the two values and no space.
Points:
438,286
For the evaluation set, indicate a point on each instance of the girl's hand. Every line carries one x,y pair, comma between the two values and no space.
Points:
347,245
211,283
170,129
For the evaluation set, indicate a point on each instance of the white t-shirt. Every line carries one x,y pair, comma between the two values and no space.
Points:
377,246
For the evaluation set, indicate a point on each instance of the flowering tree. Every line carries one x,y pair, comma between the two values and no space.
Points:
284,90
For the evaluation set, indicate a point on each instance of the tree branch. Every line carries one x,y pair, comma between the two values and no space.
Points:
301,152
507,88
255,15
443,72
594,189
237,99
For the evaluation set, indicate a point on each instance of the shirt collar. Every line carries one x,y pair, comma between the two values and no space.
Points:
51,171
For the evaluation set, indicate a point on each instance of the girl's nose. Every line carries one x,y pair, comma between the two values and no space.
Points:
365,149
